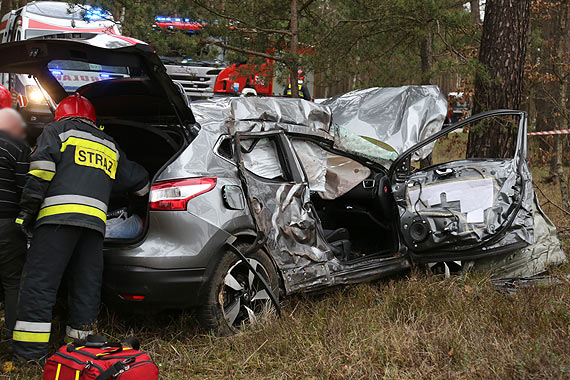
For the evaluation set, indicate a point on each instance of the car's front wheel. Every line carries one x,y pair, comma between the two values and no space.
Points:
234,296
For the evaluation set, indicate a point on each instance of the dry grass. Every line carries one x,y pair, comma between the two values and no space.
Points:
413,327
417,327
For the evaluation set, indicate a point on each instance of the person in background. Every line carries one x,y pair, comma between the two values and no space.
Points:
14,164
303,89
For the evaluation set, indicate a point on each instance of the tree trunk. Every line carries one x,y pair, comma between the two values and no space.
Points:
426,57
561,55
294,66
475,11
502,55
546,104
563,179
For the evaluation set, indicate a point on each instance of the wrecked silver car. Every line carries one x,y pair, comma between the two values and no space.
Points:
313,202
358,188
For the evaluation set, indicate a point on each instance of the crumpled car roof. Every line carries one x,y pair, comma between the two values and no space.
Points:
247,114
394,119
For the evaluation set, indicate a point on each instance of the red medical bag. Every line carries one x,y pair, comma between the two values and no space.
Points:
95,359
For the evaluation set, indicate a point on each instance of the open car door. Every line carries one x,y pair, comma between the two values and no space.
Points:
457,208
279,200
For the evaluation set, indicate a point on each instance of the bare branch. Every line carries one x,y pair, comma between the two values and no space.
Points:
448,46
549,200
243,50
305,6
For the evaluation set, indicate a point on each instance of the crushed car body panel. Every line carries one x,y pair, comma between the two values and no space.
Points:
528,261
279,174
399,117
468,208
278,178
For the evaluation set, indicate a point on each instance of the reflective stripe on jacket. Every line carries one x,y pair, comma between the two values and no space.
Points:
72,172
301,94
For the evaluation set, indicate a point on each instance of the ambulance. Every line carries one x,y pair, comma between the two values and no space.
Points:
53,19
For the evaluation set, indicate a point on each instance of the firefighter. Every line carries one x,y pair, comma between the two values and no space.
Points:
14,163
72,171
303,89
5,98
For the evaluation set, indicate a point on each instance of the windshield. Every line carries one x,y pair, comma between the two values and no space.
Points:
62,10
74,74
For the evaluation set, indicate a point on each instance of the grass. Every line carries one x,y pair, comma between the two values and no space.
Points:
418,326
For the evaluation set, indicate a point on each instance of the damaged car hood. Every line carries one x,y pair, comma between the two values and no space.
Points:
395,117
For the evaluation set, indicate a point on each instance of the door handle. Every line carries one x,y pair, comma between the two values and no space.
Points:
444,172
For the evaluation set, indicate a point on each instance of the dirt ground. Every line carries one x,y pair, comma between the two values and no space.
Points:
417,326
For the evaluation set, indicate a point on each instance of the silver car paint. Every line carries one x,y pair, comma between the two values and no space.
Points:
189,239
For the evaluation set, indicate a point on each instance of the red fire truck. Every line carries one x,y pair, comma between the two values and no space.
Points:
203,79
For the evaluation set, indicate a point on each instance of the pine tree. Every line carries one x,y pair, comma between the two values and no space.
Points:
500,84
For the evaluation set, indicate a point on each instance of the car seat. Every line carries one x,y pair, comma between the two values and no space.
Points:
339,242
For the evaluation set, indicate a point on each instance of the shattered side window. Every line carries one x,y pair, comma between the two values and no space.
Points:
261,157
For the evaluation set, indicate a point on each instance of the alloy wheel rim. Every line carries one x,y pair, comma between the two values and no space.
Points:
243,299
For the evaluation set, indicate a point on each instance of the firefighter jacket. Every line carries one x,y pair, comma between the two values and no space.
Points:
303,91
72,172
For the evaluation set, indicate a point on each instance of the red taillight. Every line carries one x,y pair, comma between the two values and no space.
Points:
131,297
174,195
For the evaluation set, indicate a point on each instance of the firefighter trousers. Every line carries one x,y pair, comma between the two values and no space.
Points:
13,247
53,249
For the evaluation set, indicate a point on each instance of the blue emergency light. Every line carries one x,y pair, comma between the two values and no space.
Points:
170,19
104,76
95,14
56,72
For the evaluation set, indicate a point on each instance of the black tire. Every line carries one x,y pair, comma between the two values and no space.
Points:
220,300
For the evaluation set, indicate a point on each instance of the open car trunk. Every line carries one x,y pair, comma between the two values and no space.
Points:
133,112
151,146
144,111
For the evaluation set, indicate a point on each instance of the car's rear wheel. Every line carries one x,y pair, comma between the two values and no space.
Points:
234,296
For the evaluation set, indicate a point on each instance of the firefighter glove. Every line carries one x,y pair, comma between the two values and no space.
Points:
25,221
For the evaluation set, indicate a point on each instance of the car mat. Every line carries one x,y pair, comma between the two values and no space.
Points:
259,241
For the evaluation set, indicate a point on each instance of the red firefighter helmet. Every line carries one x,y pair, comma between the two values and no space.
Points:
75,106
5,97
